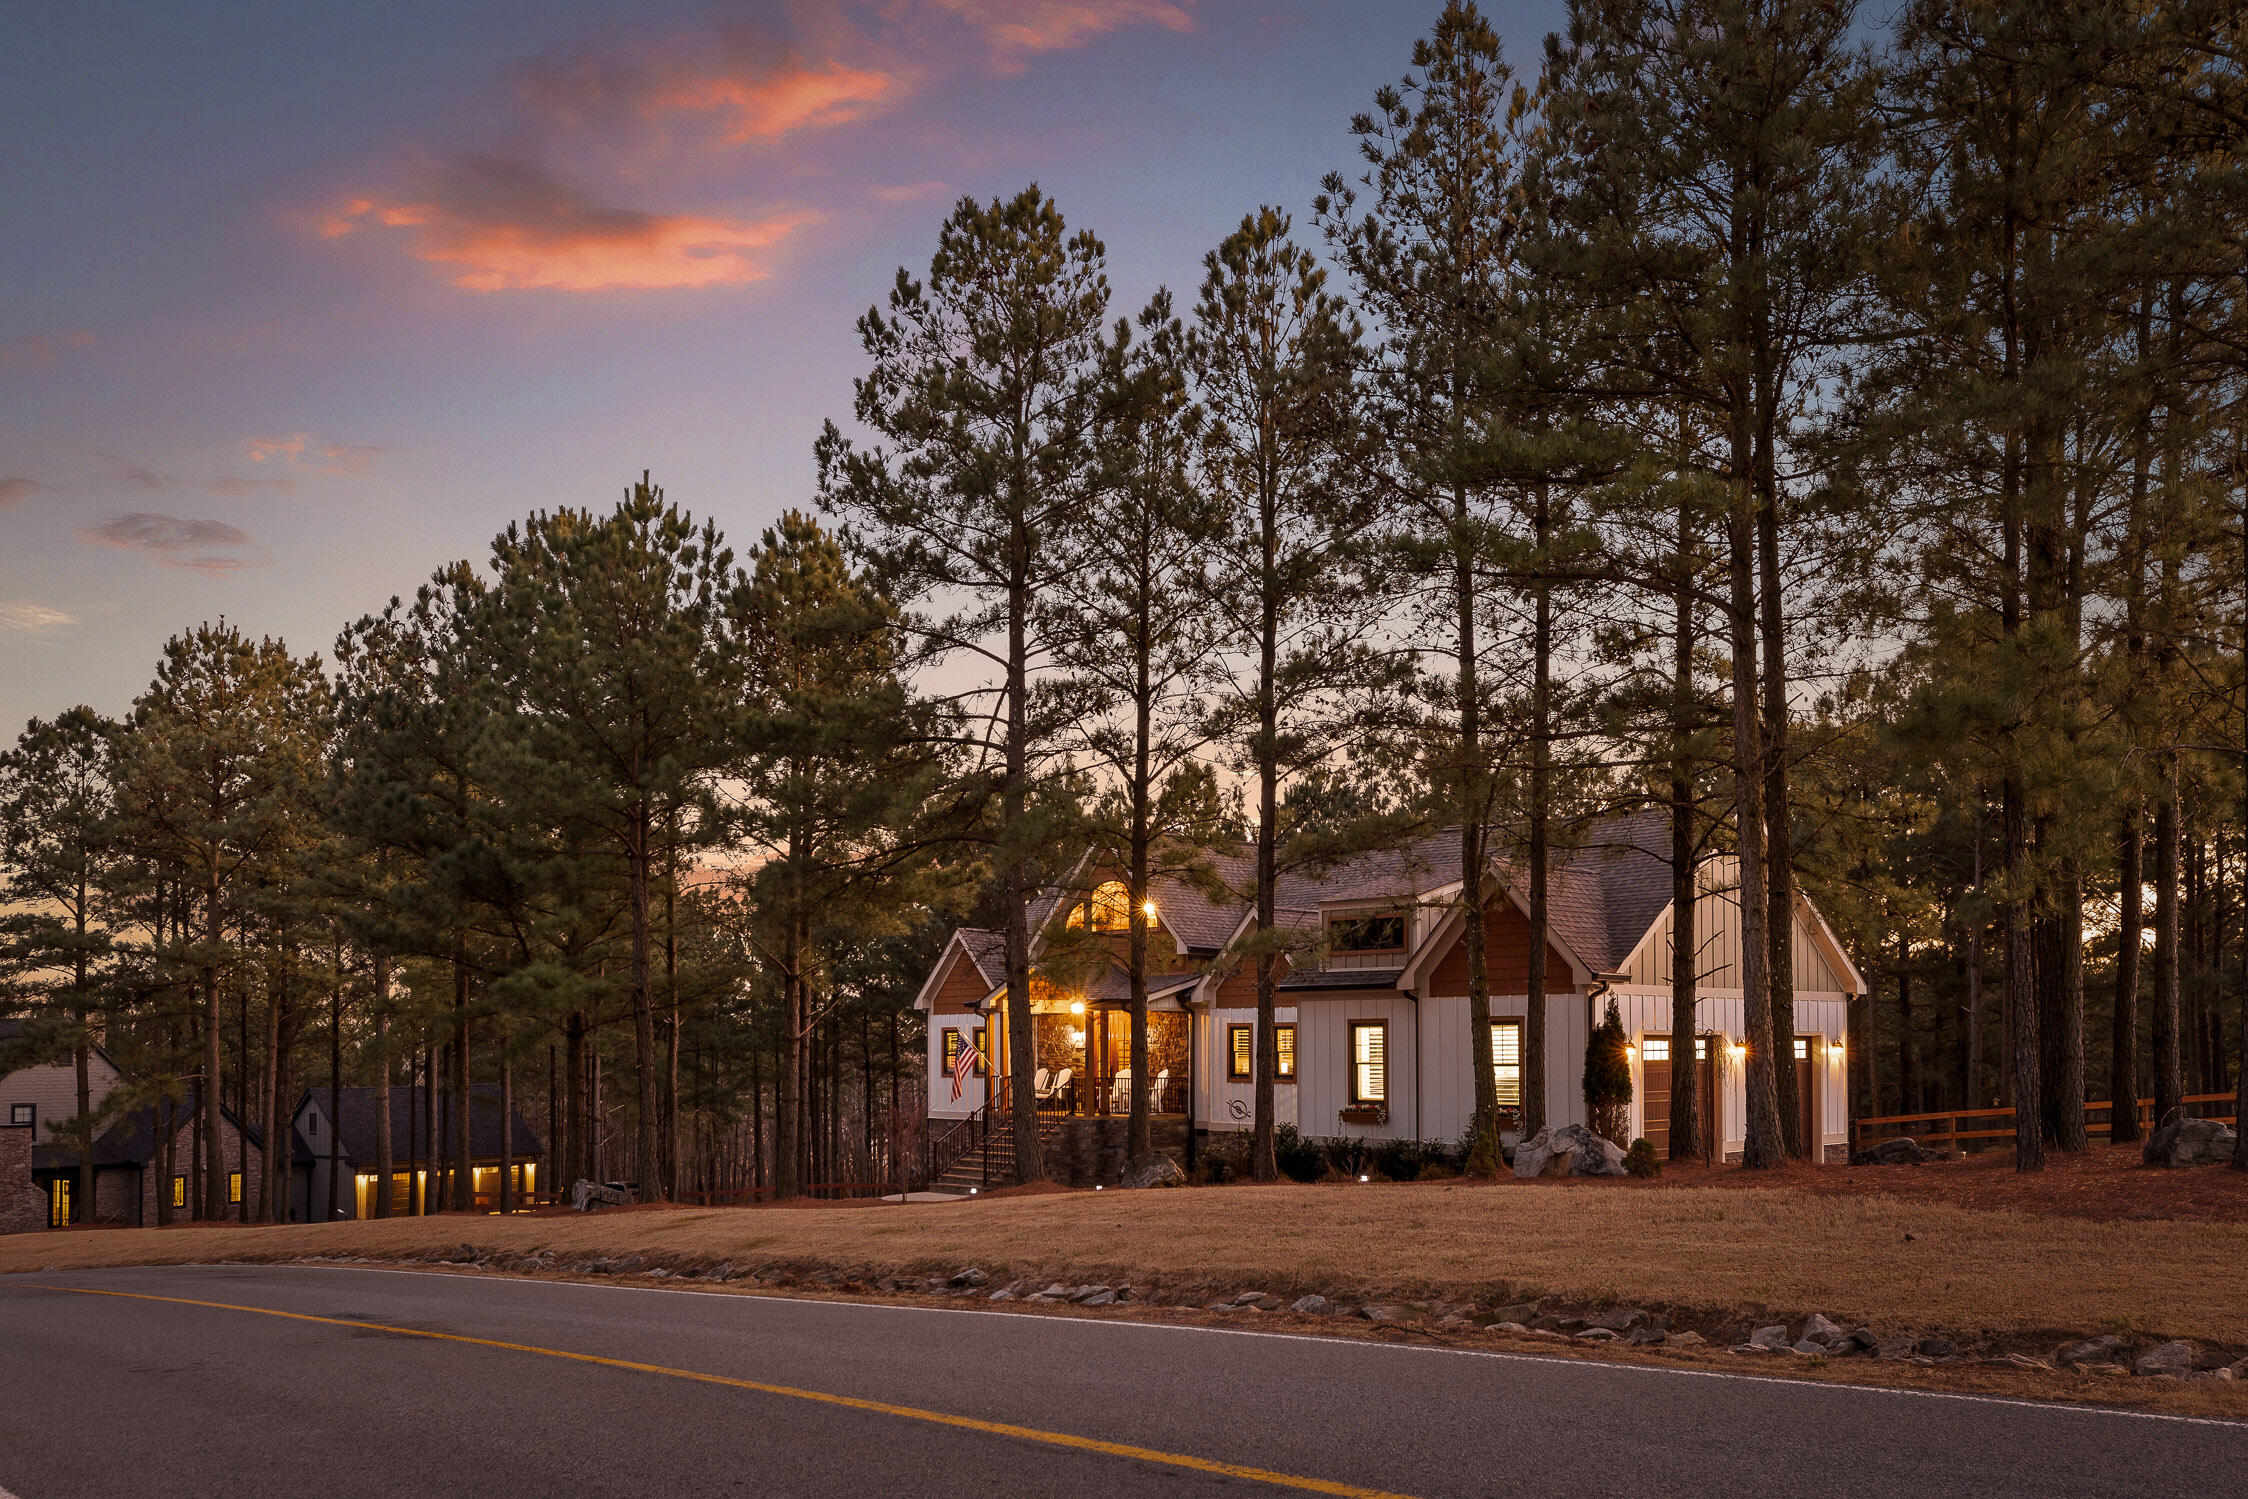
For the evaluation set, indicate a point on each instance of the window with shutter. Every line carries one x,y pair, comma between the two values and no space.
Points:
1369,1061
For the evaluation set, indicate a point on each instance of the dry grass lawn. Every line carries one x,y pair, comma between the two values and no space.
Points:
1719,1257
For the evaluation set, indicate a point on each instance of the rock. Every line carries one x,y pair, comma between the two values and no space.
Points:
1551,1323
2224,1374
1772,1338
2020,1361
1444,1309
2189,1142
1125,1293
1521,1311
1002,1294
1807,1348
2105,1371
1454,1324
1263,1301
1567,1150
1084,1294
969,1278
1057,1290
1897,1152
1597,1335
1896,1347
586,1196
2169,1358
1860,1340
2099,1350
1155,1171
1643,1336
1382,1312
1098,1298
1822,1332
1936,1348
1684,1339
1513,1327
1750,1348
1312,1306
1620,1319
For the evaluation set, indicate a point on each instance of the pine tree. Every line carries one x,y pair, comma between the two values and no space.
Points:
982,384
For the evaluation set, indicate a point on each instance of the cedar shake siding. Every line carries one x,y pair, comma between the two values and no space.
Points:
1506,953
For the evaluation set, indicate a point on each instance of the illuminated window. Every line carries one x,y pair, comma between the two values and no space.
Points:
234,1186
954,1037
1701,1048
1284,1041
179,1191
1803,1048
1109,909
1506,1061
1366,933
1369,1061
58,1212
1241,1051
1654,1048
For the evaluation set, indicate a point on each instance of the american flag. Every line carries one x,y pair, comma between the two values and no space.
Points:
964,1065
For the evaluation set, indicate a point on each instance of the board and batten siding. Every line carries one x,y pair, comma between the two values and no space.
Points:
941,1102
1717,938
1646,1012
1215,1094
1429,1048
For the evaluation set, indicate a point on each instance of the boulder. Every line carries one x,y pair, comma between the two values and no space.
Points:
1002,1294
1567,1150
2169,1358
1897,1152
1454,1324
1772,1338
1903,1347
1684,1339
2099,1350
1086,1293
1807,1348
2189,1142
1513,1327
1618,1319
969,1278
1821,1331
1098,1298
1646,1335
1380,1312
1155,1171
586,1196
1521,1311
1312,1306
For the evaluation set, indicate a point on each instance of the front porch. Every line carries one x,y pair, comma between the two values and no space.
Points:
1085,1062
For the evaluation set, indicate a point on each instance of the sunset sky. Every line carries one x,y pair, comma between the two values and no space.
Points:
304,300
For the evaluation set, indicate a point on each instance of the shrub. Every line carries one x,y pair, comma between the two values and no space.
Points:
1401,1160
1608,1079
1641,1159
1299,1159
1348,1156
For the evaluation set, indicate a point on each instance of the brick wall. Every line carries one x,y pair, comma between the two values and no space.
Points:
23,1207
232,1146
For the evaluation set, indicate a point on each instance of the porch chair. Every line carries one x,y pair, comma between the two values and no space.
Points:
1040,1088
1120,1095
1155,1094
1059,1093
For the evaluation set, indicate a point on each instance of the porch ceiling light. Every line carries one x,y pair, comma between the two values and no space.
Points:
1077,1007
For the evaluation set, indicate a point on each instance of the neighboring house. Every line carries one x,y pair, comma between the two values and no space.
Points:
23,1207
351,1150
1373,1019
129,1174
44,1094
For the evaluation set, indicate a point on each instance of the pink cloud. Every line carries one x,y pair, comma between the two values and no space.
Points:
1018,26
303,450
43,348
15,489
736,88
177,541
500,224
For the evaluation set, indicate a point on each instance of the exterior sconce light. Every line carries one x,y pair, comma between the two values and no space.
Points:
1077,1007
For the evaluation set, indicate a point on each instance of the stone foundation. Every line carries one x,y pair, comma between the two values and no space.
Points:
23,1207
1090,1152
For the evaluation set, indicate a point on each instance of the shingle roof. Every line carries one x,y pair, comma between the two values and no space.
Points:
132,1140
988,951
356,1130
1115,984
1339,978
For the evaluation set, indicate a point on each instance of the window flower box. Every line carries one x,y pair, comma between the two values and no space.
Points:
1366,1113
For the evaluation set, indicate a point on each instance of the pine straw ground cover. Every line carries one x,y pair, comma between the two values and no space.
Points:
1720,1252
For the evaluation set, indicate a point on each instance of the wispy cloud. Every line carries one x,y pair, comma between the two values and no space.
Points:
210,546
500,224
303,450
15,489
737,87
1013,27
23,619
43,348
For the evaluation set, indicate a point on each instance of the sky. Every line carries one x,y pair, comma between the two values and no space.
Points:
300,302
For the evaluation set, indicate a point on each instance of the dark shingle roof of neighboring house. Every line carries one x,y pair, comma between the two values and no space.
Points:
357,1128
132,1140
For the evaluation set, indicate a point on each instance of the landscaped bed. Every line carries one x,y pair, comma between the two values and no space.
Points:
1911,1253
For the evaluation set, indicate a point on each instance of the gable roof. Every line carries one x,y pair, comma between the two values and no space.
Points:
362,1106
133,1139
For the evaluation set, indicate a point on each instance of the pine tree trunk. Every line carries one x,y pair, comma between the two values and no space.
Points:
464,1176
647,1149
2169,1076
212,1154
1014,883
1139,1133
2123,1030
1779,871
1762,1145
1686,1140
1971,1094
335,1091
1263,1162
1483,1154
385,1162
1536,1105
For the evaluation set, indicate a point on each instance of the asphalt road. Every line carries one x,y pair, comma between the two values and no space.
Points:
117,1395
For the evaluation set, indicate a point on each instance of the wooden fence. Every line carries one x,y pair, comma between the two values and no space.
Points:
1980,1129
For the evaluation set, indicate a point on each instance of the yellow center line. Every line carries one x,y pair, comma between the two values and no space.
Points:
822,1397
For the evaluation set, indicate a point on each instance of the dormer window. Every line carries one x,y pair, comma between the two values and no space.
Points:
1108,909
1366,934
